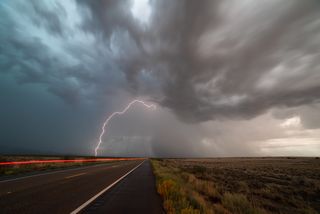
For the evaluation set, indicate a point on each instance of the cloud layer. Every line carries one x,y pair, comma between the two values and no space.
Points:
203,61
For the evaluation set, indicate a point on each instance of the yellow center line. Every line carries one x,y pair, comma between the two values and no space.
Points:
72,176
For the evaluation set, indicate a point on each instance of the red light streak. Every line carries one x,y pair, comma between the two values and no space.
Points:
8,163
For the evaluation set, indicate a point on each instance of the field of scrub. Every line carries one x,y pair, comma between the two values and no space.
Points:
239,185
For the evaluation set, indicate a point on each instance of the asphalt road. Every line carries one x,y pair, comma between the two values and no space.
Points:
64,191
135,194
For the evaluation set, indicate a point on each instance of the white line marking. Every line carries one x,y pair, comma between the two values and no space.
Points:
58,171
103,191
76,175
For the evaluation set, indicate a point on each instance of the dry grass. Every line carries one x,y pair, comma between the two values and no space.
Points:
177,198
239,185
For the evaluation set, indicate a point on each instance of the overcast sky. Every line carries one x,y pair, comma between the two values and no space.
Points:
229,77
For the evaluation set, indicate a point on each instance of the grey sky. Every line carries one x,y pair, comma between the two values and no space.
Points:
231,78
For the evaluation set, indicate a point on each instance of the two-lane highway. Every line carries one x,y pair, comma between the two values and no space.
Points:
135,194
62,191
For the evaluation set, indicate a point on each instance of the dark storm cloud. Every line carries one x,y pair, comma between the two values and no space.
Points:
203,60
218,59
38,46
228,79
42,16
107,15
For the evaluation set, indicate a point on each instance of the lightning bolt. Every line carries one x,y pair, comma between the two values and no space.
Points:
106,122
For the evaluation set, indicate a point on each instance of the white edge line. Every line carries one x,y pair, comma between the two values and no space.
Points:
53,172
103,191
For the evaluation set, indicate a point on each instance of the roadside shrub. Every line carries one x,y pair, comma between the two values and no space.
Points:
237,204
167,188
219,209
169,206
308,210
176,197
198,169
243,187
205,187
189,210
